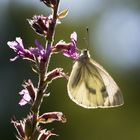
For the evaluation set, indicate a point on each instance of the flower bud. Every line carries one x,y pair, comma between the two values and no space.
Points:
52,116
50,3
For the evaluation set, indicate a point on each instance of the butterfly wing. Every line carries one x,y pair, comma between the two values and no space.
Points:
113,93
90,86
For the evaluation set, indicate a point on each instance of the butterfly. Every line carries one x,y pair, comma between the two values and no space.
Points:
90,85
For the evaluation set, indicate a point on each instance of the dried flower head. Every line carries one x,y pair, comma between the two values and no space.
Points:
40,24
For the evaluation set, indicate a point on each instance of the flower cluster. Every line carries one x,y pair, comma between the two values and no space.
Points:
39,52
39,55
18,47
32,54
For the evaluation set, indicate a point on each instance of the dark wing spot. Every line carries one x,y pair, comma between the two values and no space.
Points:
90,89
104,91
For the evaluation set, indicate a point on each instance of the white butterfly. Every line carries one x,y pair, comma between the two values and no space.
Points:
90,86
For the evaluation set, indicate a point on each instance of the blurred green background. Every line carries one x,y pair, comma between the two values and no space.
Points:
114,30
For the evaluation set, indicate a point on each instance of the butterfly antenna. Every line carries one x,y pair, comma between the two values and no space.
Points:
86,39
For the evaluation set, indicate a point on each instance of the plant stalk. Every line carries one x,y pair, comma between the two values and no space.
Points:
44,66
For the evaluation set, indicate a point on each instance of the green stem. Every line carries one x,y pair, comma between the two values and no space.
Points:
38,101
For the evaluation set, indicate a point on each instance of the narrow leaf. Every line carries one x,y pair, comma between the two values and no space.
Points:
63,14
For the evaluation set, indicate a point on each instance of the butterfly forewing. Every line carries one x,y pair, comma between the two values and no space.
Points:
90,86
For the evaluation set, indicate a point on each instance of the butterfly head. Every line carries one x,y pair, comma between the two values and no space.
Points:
84,54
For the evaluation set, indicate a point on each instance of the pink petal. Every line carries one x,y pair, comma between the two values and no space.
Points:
74,36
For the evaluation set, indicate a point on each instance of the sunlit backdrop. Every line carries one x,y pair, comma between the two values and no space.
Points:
114,41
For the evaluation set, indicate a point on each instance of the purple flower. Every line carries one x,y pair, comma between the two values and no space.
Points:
68,49
28,93
39,51
32,53
26,98
18,47
71,52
